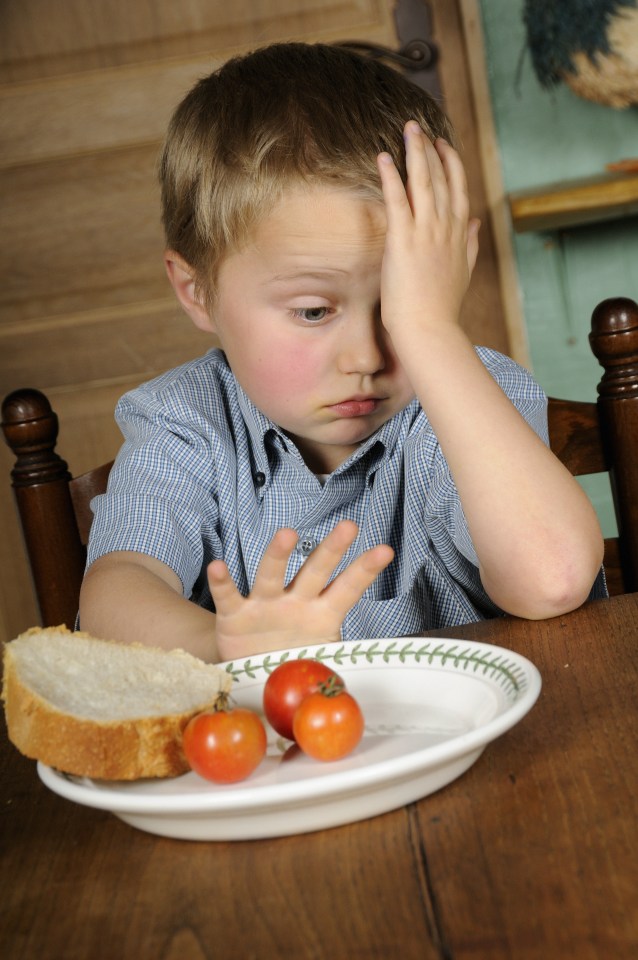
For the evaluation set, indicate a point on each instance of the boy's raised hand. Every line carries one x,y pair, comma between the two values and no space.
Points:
431,244
275,616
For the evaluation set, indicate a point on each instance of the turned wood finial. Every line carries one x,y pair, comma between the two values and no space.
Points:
614,341
31,430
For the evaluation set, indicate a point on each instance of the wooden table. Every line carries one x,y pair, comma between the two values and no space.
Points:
531,854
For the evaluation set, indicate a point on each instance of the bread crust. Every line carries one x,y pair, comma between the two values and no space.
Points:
144,747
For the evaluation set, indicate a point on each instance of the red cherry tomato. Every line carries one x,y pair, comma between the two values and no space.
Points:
287,686
328,724
225,745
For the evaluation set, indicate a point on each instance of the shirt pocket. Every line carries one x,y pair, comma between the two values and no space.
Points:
425,606
371,619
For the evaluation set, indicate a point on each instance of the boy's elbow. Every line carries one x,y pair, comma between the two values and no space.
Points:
561,596
572,580
553,589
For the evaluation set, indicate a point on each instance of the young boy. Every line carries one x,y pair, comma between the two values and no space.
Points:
348,465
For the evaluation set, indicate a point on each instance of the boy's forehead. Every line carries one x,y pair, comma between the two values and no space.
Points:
312,235
334,215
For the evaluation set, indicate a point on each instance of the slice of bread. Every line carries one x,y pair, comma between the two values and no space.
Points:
101,709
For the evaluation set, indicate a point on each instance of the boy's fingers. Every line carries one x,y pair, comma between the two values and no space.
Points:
416,161
271,574
353,582
427,177
269,581
429,167
456,178
397,207
315,573
472,243
225,594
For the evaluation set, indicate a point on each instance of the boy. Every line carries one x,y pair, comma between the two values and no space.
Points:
348,464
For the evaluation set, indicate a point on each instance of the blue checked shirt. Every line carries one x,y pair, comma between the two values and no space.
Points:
203,474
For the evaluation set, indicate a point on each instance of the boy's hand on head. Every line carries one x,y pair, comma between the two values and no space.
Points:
431,244
274,616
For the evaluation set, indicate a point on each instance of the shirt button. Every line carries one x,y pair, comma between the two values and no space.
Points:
306,544
260,479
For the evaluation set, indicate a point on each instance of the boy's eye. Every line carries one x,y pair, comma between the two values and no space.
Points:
311,314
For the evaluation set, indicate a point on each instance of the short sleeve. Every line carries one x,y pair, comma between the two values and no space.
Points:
161,490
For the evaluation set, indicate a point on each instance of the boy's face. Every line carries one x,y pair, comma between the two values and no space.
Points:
297,312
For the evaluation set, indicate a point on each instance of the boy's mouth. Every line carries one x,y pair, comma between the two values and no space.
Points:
356,406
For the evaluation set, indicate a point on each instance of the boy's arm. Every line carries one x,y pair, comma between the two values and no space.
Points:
134,598
535,533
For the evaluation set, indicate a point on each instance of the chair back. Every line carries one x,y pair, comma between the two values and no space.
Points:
603,436
588,437
54,508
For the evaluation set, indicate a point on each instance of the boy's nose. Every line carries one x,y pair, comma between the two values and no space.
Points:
363,348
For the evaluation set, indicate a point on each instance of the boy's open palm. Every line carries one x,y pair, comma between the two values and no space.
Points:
275,616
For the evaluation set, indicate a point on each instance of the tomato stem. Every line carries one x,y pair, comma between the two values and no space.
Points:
332,687
224,703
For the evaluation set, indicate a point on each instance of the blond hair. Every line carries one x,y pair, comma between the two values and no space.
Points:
285,114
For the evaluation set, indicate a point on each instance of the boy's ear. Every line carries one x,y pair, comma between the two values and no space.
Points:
182,278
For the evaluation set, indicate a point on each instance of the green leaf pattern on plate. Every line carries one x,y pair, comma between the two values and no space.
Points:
507,673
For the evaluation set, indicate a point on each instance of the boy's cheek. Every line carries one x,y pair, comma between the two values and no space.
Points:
277,373
289,368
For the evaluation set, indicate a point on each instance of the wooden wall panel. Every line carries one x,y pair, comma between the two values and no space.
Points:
44,38
483,315
109,347
111,109
85,233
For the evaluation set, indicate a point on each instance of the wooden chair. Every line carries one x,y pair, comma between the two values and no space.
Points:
587,437
53,506
603,436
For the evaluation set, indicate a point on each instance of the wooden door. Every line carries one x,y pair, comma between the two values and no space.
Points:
85,94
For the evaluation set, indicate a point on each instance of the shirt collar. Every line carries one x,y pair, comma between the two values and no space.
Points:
264,434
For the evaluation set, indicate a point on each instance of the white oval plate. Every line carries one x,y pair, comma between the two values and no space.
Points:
430,706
